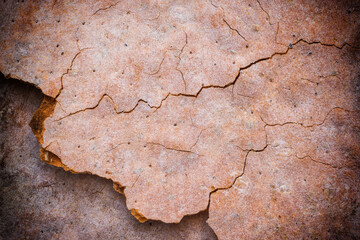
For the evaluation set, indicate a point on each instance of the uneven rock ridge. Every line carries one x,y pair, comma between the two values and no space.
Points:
250,108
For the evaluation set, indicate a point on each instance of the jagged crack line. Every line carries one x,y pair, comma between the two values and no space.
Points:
302,124
159,67
179,57
105,8
268,15
67,71
113,103
207,86
316,161
237,177
172,149
234,29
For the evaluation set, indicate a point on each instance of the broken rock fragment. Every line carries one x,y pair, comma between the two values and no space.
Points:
168,158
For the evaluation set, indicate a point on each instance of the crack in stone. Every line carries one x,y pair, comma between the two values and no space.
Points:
269,19
106,8
68,70
203,87
302,124
223,18
136,180
234,29
114,106
172,149
308,80
324,163
219,86
202,130
237,177
159,68
267,144
179,57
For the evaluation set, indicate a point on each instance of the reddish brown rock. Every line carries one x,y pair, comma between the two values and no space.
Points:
287,197
303,185
303,85
168,98
168,160
39,201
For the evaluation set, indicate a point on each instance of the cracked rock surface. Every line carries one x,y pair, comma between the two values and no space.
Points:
197,104
39,201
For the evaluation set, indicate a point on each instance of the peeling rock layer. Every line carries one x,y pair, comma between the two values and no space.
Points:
173,100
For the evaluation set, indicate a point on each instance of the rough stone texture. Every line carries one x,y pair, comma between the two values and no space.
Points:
171,100
38,201
289,190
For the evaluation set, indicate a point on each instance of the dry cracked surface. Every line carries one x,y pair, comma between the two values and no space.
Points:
248,108
39,201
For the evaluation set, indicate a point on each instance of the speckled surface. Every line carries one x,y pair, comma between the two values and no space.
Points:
39,201
172,99
294,187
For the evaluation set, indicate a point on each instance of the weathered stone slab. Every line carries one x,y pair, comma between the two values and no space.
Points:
168,99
